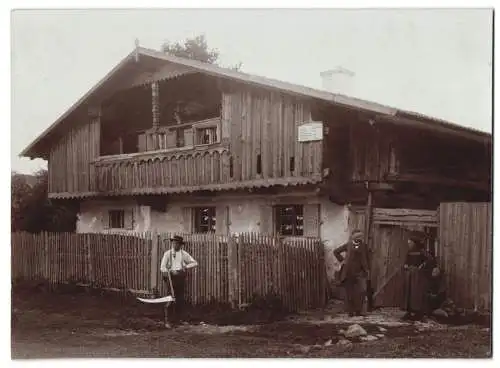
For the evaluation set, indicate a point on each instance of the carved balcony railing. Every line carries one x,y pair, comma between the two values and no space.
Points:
187,169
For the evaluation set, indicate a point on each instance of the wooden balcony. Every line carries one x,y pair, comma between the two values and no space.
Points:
165,171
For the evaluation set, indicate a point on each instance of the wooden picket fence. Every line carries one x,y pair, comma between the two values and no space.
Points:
233,269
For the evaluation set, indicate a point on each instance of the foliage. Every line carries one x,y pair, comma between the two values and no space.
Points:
197,49
32,211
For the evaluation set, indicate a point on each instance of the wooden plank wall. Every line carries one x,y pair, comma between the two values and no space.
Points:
163,170
465,252
70,169
264,124
372,153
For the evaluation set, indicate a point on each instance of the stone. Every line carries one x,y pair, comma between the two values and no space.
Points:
329,342
317,347
440,313
380,336
368,338
355,331
344,343
382,329
304,349
342,332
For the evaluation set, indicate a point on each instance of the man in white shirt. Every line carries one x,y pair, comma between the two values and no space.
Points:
176,261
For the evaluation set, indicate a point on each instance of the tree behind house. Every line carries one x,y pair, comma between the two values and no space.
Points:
32,211
197,49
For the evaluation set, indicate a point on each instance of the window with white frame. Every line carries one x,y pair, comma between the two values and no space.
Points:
116,219
204,219
207,135
289,220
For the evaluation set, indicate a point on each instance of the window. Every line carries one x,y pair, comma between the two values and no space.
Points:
206,135
204,220
290,220
116,219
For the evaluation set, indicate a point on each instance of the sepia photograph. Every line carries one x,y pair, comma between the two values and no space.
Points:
251,183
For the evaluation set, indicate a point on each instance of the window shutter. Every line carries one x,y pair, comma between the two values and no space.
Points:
311,220
222,222
141,142
188,137
171,142
129,219
105,220
267,224
187,219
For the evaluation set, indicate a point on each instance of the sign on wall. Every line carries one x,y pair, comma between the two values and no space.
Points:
312,131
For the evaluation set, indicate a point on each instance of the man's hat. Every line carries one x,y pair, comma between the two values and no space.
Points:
418,236
178,239
357,235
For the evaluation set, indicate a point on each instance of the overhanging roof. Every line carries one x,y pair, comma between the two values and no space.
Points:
115,80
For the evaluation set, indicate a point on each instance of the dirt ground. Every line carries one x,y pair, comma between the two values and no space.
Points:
48,325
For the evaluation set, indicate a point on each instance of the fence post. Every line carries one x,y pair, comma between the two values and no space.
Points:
154,261
89,259
46,260
233,275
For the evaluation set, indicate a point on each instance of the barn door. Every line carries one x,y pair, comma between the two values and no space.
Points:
389,247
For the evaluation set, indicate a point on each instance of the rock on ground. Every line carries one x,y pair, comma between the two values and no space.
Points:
344,343
304,349
382,329
428,325
355,331
368,338
440,313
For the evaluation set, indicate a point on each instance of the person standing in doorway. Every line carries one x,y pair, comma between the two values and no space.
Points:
354,272
175,262
418,268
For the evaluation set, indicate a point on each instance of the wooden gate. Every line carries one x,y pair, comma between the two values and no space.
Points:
388,241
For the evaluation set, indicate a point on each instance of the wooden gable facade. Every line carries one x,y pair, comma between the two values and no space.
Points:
255,145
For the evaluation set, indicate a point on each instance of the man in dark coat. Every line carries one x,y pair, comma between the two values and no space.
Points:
354,272
418,268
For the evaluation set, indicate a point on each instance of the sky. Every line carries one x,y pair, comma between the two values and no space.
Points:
435,62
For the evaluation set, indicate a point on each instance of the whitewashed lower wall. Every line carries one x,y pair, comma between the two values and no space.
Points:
244,216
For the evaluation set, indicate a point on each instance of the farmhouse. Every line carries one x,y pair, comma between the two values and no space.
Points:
168,144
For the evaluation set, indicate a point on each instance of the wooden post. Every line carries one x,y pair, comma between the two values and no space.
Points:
155,106
89,259
233,275
368,216
368,220
154,261
46,264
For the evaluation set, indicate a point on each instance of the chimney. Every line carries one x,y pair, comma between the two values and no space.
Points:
338,80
